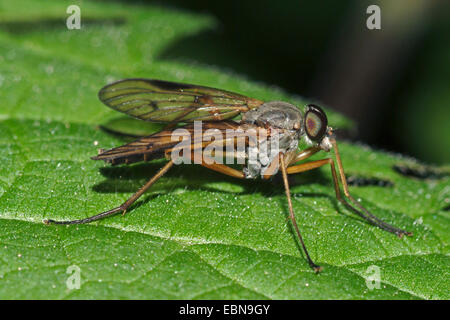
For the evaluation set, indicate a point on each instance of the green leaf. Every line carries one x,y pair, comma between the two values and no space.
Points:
195,234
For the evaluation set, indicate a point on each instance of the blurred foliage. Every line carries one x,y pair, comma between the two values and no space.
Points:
421,123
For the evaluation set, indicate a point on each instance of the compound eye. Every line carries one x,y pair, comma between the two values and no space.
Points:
315,122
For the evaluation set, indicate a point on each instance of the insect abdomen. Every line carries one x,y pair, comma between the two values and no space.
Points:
143,149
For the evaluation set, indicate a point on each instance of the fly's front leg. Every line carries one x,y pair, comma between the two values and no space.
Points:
305,154
362,212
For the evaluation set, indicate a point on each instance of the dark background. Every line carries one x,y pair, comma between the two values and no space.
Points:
393,82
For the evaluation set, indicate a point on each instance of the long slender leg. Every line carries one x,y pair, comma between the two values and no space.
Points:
397,231
302,155
123,207
315,267
229,171
238,174
364,214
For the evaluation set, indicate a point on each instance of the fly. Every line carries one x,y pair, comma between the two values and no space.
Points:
174,103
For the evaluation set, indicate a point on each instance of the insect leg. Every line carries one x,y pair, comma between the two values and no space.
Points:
302,155
123,207
363,213
223,169
368,216
314,266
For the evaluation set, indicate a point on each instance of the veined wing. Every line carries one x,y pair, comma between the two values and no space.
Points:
164,101
157,145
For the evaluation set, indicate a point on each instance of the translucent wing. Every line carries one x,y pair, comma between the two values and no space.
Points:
156,145
164,101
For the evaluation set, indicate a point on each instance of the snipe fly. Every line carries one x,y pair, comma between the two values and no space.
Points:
181,105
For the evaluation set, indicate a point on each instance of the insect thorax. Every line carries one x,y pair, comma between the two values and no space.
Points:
276,114
262,155
283,118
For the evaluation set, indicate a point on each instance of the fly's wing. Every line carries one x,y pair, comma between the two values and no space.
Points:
164,142
164,101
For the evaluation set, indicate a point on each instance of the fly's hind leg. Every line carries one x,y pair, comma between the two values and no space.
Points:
123,207
229,171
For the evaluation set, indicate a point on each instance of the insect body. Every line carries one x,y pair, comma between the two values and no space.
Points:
287,121
281,123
